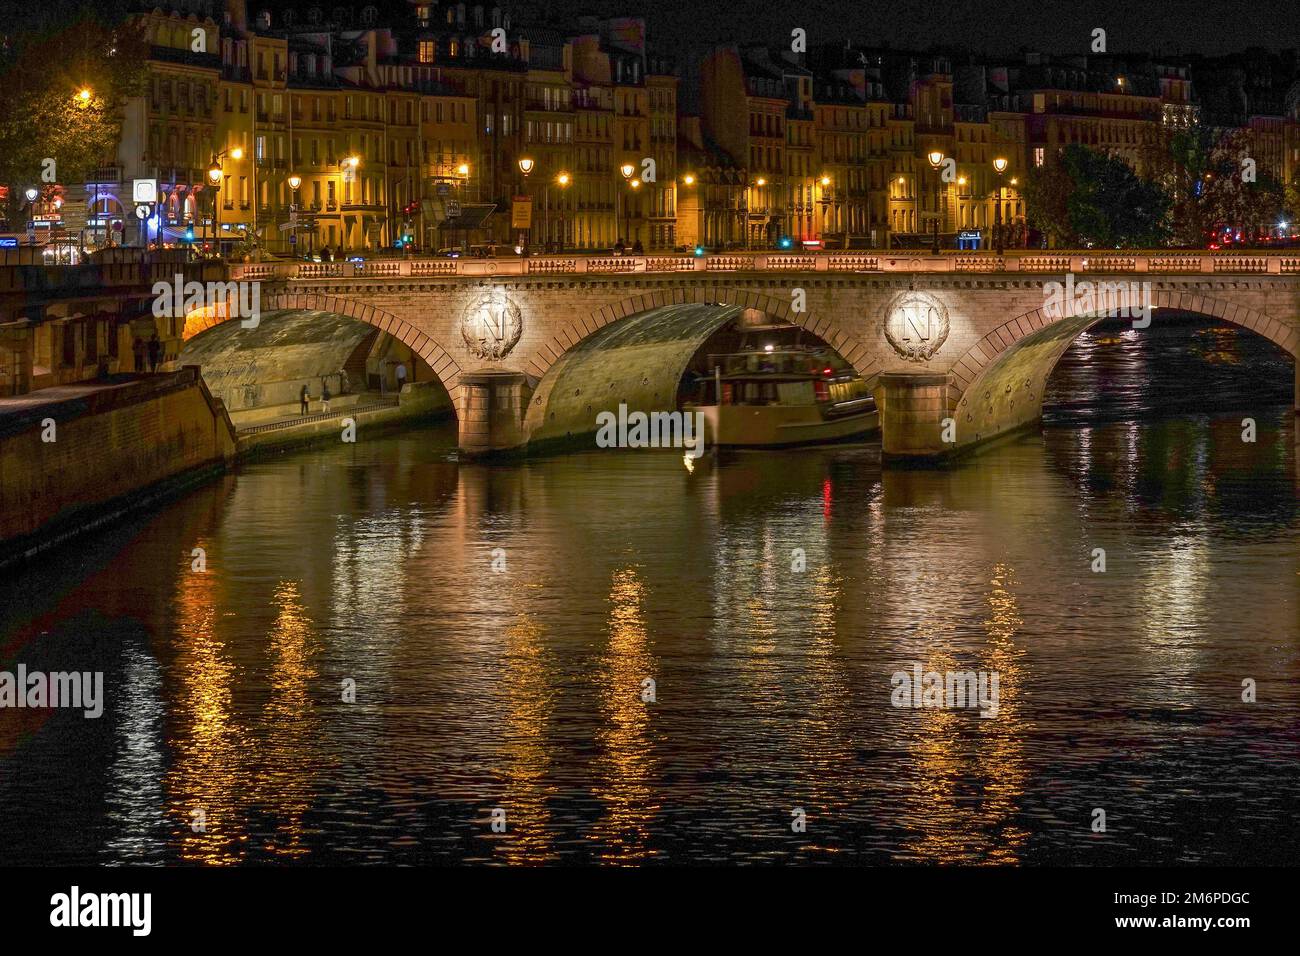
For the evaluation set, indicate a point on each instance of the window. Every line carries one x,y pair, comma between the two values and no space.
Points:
1038,155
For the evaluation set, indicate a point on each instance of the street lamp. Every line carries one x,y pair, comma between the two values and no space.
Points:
526,165
214,178
627,169
562,181
84,96
824,201
936,159
1000,167
31,193
348,175
294,181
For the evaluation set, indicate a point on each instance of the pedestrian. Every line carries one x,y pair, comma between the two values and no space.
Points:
619,246
638,249
137,350
304,400
155,352
326,255
324,395
401,375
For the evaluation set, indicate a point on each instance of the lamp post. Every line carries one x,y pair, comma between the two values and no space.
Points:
936,159
1014,183
823,200
526,167
31,193
1000,167
634,184
294,182
348,175
462,193
214,179
562,181
627,169
689,180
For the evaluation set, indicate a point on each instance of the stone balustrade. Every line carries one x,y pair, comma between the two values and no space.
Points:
1034,261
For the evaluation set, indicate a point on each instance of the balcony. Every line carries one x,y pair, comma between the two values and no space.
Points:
104,175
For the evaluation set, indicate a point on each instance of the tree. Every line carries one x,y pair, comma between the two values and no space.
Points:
1047,193
1291,200
65,80
1088,198
1186,175
1215,184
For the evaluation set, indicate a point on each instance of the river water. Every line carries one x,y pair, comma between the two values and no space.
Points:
500,623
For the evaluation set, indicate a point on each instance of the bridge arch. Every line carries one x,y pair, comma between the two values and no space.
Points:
850,347
636,350
446,368
999,381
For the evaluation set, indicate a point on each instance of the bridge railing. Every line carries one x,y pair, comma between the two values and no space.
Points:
1050,261
93,278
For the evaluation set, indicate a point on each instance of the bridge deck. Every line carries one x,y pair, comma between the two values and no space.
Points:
1034,261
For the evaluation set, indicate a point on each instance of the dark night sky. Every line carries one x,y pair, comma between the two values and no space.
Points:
1058,26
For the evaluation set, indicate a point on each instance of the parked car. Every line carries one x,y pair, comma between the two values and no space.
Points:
484,251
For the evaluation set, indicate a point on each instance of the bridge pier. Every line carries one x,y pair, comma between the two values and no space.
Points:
912,408
493,413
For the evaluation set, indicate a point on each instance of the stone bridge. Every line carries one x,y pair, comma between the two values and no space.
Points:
957,347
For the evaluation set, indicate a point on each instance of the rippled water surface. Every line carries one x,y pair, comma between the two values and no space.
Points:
521,686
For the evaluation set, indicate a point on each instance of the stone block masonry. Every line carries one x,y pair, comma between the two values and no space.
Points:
115,447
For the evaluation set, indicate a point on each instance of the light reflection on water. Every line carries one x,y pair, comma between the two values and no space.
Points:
518,684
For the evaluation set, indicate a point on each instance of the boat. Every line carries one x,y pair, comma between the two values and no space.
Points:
782,396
